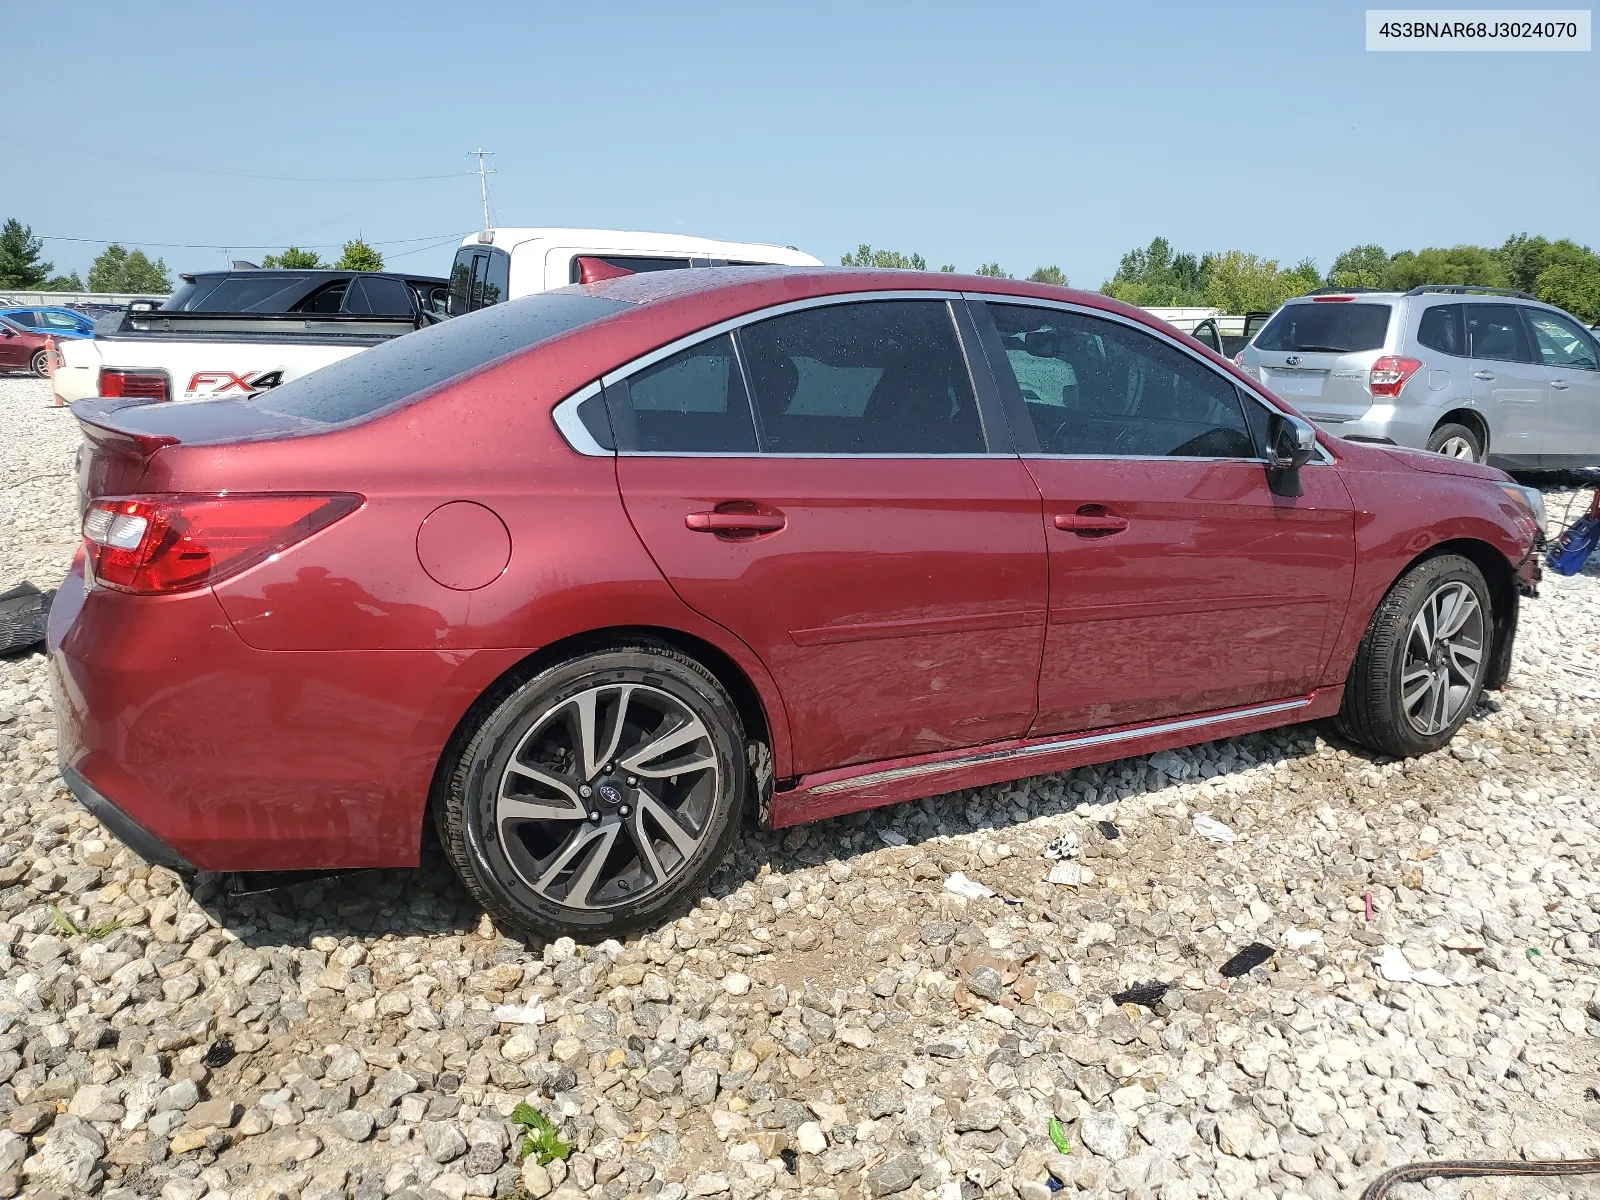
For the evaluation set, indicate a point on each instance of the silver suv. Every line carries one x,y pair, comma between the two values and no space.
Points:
1478,373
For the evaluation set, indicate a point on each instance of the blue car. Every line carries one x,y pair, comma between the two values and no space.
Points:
60,323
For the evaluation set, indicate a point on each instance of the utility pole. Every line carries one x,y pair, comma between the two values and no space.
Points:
483,181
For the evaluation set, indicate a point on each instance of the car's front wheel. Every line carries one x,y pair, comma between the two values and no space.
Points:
599,796
1420,668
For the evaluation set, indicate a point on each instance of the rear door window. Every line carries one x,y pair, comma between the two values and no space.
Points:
329,299
1098,388
497,278
1329,327
1443,328
872,378
1495,332
693,402
1561,343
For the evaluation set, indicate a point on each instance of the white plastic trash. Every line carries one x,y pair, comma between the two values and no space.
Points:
1208,826
970,888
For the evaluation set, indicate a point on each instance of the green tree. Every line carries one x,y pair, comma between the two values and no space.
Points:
948,269
1054,276
108,269
1573,284
1524,259
866,256
1238,282
1360,267
19,257
992,271
358,256
65,283
1155,276
116,270
294,259
1458,264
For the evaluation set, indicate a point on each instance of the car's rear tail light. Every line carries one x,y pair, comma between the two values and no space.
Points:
173,543
1389,375
146,385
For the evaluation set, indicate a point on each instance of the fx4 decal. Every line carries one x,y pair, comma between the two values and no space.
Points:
220,383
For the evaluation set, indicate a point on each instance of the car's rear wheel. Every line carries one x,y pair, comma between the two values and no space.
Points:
1420,668
1457,441
39,364
599,796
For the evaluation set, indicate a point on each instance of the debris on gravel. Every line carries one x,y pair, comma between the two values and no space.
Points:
831,1020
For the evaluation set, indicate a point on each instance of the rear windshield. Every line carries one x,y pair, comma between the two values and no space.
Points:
240,293
374,379
1326,328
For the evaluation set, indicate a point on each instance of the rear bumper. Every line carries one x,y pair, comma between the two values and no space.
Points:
1395,424
200,752
123,827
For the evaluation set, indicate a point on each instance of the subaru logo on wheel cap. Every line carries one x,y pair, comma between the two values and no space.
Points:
609,794
1292,361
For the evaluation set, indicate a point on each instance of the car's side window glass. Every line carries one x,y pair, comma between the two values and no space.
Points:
497,282
871,378
25,319
1495,332
59,320
325,300
691,403
1443,328
1561,342
1098,387
461,283
379,296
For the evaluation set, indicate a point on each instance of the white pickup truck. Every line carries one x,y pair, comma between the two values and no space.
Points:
171,354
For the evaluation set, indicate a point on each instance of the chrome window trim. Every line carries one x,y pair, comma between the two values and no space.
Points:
1051,747
618,374
1324,459
571,426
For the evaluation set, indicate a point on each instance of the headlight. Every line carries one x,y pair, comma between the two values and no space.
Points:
1530,500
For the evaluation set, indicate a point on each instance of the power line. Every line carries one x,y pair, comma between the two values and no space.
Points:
140,160
432,237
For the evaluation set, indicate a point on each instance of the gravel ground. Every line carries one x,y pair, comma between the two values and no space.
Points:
833,1022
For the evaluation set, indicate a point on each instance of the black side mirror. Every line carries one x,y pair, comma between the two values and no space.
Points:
1291,443
10,332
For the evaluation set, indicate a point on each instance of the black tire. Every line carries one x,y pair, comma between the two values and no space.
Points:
501,863
1450,436
39,364
1375,712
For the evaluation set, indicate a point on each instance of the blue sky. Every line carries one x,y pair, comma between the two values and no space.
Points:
1028,133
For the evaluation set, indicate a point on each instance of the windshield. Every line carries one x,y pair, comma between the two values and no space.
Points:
1326,328
364,383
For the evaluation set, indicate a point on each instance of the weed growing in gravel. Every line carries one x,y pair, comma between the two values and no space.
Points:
543,1139
72,929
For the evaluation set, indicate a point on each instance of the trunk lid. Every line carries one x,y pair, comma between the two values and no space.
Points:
1318,354
123,440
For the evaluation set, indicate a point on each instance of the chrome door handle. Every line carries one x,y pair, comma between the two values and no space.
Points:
1483,374
1559,385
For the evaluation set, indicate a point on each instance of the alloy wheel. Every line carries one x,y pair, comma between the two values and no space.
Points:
1458,447
607,796
1443,657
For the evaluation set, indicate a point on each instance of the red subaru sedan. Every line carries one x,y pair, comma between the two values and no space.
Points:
590,577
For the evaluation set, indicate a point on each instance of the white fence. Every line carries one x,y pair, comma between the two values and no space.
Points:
14,299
